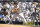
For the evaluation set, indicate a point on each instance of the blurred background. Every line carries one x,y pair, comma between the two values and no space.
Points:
29,9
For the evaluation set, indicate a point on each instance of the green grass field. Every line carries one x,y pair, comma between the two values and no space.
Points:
35,26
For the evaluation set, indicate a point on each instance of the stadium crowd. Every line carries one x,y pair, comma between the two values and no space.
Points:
28,10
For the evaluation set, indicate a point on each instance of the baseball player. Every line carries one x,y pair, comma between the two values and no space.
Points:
16,11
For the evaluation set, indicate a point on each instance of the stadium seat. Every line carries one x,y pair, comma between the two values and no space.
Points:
14,22
2,22
36,23
17,22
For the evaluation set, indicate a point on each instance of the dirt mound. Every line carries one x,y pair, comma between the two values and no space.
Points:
9,25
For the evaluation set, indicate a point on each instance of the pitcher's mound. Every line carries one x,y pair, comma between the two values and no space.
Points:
9,25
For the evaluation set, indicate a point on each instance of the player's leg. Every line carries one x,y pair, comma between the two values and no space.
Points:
12,18
34,21
37,21
24,20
